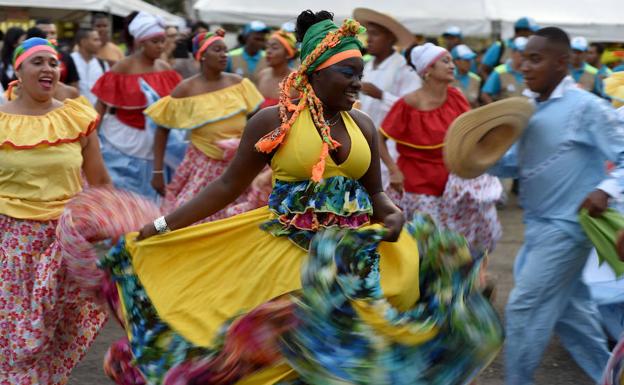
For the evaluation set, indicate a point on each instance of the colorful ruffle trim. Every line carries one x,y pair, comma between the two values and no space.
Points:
302,208
94,215
65,124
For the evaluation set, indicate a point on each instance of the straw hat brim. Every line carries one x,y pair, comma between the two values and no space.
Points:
365,16
477,139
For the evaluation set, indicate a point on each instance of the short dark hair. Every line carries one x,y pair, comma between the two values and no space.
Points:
599,47
82,34
556,36
197,25
99,15
35,32
44,20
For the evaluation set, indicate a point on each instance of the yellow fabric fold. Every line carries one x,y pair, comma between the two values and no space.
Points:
372,314
213,116
200,276
65,124
614,88
41,160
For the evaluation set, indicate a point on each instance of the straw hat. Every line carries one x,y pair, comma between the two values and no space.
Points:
403,35
477,139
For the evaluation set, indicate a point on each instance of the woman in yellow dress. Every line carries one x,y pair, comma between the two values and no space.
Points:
213,106
47,325
320,287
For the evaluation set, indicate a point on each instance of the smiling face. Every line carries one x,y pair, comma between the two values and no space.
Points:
38,76
338,86
215,57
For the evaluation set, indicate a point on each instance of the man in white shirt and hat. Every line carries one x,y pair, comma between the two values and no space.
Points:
387,77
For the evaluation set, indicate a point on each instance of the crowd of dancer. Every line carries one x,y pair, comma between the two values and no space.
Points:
293,211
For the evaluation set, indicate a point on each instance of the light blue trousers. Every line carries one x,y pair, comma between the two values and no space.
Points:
550,296
127,172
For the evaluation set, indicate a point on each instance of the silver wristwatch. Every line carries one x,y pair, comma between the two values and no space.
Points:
160,224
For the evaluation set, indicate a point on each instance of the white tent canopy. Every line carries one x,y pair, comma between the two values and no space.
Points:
429,17
597,21
64,8
432,17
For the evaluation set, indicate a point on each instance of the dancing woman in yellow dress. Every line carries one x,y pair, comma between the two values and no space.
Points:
213,106
323,286
46,324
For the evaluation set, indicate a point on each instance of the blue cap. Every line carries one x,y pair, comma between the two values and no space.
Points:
579,43
453,31
526,23
462,52
288,26
255,26
519,43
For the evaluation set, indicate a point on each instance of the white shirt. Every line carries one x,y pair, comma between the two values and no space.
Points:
394,78
89,73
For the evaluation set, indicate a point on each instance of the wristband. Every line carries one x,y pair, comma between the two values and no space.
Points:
160,224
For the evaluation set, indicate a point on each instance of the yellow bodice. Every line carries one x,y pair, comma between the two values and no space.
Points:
41,160
300,151
212,117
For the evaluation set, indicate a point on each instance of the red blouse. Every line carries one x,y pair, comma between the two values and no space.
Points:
420,138
269,102
123,92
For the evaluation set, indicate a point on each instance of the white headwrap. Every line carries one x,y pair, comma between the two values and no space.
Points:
145,26
424,56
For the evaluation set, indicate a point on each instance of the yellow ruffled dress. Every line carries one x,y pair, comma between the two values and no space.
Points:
215,122
47,324
220,302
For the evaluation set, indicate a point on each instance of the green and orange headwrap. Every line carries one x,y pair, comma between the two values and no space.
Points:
30,47
324,44
287,40
203,40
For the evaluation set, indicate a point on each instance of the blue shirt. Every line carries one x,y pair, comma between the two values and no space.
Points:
463,79
619,68
493,54
492,85
252,61
560,157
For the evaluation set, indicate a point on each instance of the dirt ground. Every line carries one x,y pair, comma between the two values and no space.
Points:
557,367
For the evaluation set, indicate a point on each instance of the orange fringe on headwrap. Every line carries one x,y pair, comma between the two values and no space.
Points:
308,99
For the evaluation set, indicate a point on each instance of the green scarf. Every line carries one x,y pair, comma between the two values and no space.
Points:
603,234
315,35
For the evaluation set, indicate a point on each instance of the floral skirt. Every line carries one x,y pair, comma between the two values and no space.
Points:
467,206
195,173
46,323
